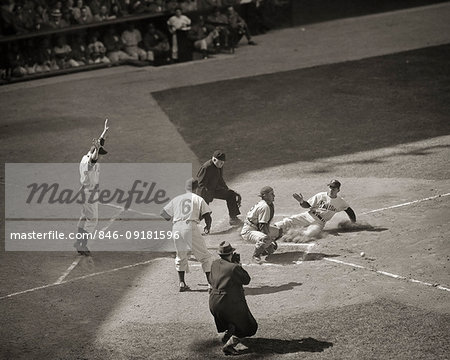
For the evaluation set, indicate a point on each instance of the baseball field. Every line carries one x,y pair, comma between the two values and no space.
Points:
365,100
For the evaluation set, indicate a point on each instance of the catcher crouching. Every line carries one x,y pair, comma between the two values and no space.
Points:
257,227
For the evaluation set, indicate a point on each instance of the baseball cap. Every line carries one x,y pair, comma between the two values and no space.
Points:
334,184
219,155
56,13
225,248
265,190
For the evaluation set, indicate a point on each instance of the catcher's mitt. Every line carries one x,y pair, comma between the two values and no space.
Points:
275,233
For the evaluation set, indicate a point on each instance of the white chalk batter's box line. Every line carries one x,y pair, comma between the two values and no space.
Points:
61,280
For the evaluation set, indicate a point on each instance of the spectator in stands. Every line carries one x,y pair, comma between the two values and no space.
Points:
58,5
67,12
179,25
46,57
42,19
187,5
141,6
114,46
16,60
119,4
208,4
238,26
103,14
171,6
96,50
253,13
77,11
29,53
56,20
156,44
220,22
203,36
116,10
28,15
63,53
19,18
8,23
5,67
85,17
126,6
79,49
132,39
95,6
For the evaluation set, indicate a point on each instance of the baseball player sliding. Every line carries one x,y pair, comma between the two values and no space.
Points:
89,178
322,207
186,211
257,227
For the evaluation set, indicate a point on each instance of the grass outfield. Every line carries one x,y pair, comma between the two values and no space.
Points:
323,111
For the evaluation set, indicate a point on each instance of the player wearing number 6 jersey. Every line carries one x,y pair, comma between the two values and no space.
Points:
186,211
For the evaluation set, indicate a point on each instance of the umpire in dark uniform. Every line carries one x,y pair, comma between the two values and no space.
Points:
227,299
211,185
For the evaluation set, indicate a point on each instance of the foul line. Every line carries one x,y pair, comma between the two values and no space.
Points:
405,204
393,206
385,273
67,272
78,278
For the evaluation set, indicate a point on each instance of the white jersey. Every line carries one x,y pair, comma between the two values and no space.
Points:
187,207
261,213
324,207
179,23
89,174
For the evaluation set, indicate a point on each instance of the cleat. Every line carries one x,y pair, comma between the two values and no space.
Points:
184,288
230,350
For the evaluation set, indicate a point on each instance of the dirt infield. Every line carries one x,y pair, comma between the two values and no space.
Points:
316,299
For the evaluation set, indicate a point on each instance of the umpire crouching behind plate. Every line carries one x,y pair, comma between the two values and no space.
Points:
227,299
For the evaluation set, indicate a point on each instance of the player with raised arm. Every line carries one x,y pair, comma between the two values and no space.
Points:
322,207
89,178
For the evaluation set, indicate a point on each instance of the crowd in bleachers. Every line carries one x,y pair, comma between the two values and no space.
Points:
218,28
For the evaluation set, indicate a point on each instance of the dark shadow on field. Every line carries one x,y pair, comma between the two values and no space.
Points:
287,258
351,228
323,168
319,112
262,290
278,346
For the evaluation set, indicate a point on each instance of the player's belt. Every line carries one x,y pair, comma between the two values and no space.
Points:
186,221
249,223
317,216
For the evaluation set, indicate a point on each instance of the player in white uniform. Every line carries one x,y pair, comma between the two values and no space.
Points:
186,211
89,178
257,227
322,208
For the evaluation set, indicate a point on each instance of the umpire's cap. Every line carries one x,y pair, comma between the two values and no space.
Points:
225,248
265,190
334,184
219,154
